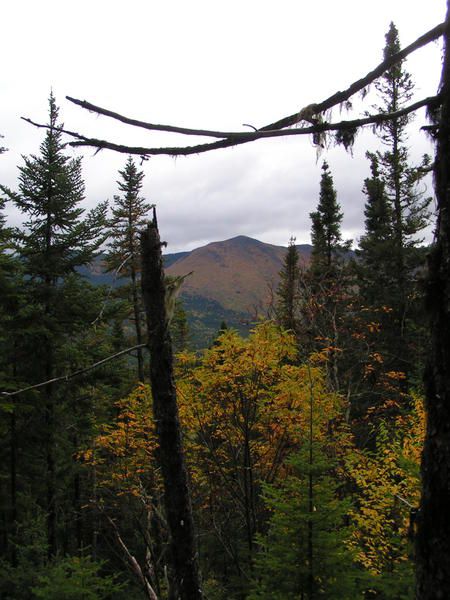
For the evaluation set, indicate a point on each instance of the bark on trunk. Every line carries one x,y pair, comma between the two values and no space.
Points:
433,521
176,490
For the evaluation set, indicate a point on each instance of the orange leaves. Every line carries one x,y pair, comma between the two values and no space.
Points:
373,327
122,454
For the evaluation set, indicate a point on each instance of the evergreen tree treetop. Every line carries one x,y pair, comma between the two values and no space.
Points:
287,291
129,214
410,209
56,238
395,87
326,234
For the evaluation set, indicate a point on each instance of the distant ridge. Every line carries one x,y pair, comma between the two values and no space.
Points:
231,281
236,273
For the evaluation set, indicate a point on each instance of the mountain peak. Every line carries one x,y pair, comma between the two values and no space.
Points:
237,273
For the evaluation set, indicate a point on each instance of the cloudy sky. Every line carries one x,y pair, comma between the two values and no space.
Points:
206,64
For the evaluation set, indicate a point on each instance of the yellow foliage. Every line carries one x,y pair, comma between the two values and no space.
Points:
388,486
122,453
246,407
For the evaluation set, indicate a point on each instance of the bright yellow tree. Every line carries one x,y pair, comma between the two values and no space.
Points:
388,492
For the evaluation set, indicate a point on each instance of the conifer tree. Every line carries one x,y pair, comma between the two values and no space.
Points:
179,328
53,243
326,236
287,291
304,553
324,287
408,206
375,268
130,212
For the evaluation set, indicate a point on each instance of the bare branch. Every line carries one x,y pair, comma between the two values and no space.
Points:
75,373
360,84
307,113
150,126
134,565
245,137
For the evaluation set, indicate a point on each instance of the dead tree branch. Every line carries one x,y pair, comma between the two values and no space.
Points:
307,113
149,126
74,373
133,563
246,136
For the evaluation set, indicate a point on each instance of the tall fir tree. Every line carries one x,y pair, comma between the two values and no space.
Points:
324,289
130,212
288,289
375,269
408,206
53,243
326,236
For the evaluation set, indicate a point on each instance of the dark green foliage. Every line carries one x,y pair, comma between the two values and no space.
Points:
375,267
288,289
179,329
328,248
58,307
390,257
130,212
283,570
76,578
325,286
409,208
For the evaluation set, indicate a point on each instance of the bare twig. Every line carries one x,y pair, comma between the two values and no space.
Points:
111,288
149,126
75,373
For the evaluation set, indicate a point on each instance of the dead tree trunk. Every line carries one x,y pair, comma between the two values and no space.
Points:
433,522
176,490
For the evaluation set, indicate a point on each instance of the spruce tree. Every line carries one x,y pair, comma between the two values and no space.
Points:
407,205
130,212
179,329
326,237
325,285
375,268
287,291
304,553
54,241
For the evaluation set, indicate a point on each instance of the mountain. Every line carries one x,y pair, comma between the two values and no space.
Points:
231,281
236,273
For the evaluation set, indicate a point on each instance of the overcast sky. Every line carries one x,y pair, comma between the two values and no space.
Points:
208,64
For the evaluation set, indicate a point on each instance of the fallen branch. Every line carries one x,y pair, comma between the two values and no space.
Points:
360,84
242,137
306,114
134,565
74,373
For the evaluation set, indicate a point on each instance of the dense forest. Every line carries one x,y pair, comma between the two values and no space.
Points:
282,465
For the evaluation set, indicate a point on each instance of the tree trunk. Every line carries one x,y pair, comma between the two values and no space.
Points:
165,410
433,521
50,461
137,321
